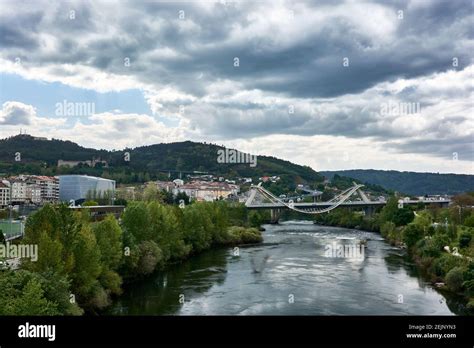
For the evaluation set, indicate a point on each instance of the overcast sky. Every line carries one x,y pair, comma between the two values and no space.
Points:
329,84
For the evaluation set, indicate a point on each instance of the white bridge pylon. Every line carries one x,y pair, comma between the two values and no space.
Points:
333,203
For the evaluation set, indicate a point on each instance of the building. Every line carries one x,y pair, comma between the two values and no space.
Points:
18,190
33,193
178,182
78,188
199,190
4,193
207,191
34,189
49,187
100,212
167,186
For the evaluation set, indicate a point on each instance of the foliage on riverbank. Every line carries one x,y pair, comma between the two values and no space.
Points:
439,240
82,264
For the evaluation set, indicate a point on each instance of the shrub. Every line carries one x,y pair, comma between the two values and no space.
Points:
411,234
445,263
454,279
403,216
440,241
465,239
150,256
387,228
244,235
469,221
428,247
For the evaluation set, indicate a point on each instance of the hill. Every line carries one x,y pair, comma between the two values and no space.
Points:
411,183
40,156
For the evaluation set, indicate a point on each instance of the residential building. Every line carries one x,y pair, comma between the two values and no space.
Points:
4,193
167,186
18,191
49,188
178,182
34,189
207,191
33,193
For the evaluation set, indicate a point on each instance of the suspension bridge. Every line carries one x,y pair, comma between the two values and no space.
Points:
261,198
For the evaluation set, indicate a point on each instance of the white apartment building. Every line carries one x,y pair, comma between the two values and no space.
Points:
33,193
4,194
207,191
18,191
49,186
34,189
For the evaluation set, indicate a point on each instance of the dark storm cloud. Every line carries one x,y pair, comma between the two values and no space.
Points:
312,68
298,59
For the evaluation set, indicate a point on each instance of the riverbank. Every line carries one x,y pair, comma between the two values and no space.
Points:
442,253
82,264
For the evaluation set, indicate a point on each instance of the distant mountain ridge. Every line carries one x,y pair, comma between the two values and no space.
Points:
40,156
412,183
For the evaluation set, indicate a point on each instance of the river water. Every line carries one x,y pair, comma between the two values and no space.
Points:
295,271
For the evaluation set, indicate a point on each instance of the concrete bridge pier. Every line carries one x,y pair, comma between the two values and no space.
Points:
368,210
275,215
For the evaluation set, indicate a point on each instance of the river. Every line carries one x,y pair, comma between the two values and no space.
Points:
293,272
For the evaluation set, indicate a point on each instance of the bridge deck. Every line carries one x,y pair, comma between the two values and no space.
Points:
345,204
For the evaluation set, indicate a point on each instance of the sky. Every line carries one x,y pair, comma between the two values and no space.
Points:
329,84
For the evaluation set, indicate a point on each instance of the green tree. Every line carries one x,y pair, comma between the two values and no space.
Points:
454,279
465,239
151,193
108,235
87,267
412,234
469,221
32,302
387,228
403,216
150,257
49,256
423,219
195,225
24,293
136,221
389,210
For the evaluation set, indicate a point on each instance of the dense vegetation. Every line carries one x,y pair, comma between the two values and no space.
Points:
344,182
439,240
82,264
409,182
145,163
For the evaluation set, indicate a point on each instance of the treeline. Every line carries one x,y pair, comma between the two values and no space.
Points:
81,264
411,183
146,163
440,240
344,182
